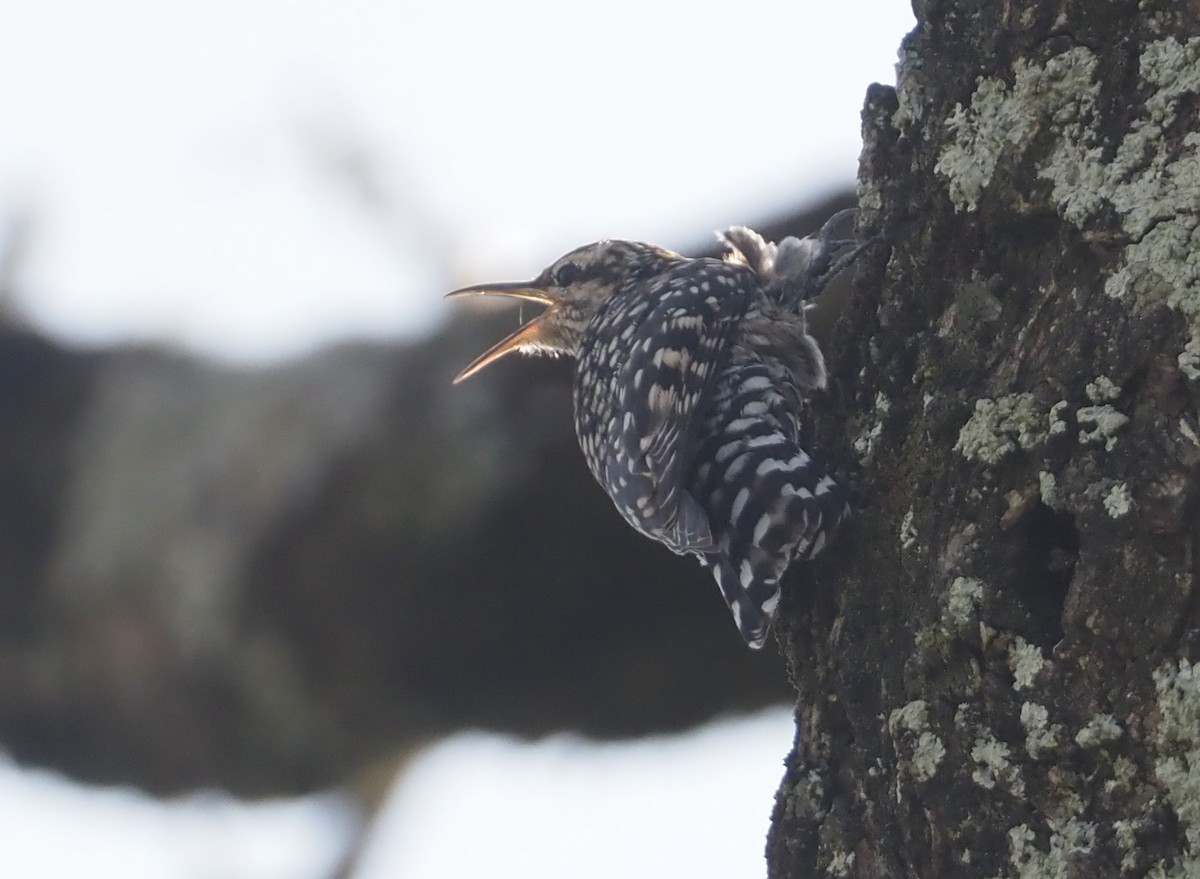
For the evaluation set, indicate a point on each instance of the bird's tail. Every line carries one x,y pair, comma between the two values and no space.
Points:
753,608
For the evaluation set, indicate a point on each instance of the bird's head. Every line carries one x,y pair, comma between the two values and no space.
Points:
572,288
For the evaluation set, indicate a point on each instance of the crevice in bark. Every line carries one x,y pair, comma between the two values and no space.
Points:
1040,554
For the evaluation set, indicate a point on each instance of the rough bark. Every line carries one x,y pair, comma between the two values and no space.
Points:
999,673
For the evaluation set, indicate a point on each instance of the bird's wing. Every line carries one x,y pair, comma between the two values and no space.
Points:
673,357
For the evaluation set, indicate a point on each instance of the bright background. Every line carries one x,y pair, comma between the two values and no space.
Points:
251,179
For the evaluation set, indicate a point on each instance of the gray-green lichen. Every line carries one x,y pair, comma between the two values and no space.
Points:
1100,730
993,766
1069,836
908,534
1002,119
910,98
1102,390
1148,179
1151,183
999,427
1125,833
912,716
806,798
840,865
1141,180
1026,662
1177,738
1041,737
1057,425
1162,266
1048,490
1124,774
1187,430
962,601
1106,422
909,729
1118,502
1189,359
927,756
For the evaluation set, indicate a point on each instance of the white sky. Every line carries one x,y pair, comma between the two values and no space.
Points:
54,829
251,177
696,805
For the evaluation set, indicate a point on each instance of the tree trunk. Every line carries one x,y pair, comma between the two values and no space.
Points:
999,668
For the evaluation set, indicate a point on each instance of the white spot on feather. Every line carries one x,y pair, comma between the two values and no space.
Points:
770,465
727,451
755,383
760,530
758,442
739,504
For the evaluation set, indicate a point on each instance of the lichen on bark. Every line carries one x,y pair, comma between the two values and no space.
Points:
1009,688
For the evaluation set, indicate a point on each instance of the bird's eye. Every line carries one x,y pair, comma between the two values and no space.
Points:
566,275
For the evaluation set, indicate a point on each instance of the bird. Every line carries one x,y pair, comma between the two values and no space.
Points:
691,385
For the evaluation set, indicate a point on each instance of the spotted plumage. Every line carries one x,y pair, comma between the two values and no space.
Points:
690,385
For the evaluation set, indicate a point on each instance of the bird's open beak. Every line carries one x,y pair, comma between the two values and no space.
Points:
526,334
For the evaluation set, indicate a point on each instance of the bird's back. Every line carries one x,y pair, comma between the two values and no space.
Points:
689,393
